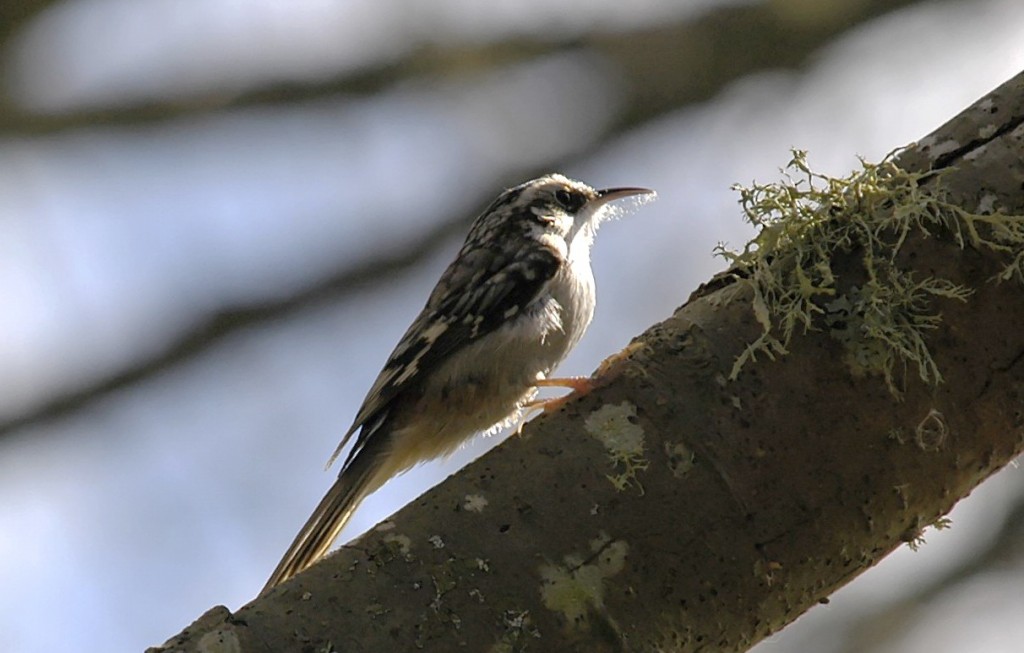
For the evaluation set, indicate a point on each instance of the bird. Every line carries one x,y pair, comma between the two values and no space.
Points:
513,303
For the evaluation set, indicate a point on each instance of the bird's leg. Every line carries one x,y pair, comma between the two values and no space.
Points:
580,385
577,383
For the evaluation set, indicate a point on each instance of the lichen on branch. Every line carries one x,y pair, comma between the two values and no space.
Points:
882,317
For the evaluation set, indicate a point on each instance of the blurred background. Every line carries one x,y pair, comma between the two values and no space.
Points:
217,218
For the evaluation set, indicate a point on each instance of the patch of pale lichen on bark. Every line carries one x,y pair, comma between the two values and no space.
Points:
809,217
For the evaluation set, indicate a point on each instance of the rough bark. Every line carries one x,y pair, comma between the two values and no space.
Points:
672,509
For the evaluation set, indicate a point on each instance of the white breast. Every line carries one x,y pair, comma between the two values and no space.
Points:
484,385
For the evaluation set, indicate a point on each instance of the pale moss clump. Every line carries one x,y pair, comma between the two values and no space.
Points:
809,217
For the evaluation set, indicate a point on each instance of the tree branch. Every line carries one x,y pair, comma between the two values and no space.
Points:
674,509
231,320
706,52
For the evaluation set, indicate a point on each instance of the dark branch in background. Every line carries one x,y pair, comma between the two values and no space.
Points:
232,320
15,15
666,68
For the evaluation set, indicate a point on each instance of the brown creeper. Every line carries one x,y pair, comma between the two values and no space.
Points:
509,308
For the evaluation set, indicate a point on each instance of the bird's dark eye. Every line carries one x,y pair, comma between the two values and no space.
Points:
568,199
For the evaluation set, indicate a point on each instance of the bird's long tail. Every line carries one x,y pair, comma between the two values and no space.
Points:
330,516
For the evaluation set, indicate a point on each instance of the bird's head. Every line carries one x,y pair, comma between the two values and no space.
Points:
556,207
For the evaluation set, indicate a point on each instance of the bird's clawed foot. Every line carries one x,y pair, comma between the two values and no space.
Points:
580,385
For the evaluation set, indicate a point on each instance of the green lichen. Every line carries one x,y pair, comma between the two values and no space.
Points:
680,458
617,428
917,540
222,640
517,631
474,503
577,588
809,217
